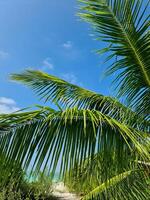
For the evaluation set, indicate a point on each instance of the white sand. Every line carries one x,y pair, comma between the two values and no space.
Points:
62,192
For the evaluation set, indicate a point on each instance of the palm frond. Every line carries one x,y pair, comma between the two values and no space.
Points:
125,25
67,136
126,185
103,178
51,88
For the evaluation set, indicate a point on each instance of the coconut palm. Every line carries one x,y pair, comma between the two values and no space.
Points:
100,143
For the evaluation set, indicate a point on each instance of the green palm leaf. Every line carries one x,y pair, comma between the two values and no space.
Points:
72,133
125,24
51,88
92,137
118,187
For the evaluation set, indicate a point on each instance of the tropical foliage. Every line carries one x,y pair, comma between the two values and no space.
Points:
16,185
102,144
10,174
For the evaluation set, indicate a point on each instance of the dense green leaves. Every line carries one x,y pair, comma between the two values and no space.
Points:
68,136
118,187
105,179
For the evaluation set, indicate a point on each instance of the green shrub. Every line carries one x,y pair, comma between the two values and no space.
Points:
10,174
13,185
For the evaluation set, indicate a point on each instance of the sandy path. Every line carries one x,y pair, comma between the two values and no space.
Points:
61,191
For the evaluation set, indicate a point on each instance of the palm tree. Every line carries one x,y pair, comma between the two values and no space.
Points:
99,141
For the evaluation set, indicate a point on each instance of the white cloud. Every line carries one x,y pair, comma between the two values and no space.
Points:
70,51
70,77
68,45
7,105
47,64
4,100
3,54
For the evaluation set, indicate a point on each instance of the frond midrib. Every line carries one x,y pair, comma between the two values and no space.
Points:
131,45
113,181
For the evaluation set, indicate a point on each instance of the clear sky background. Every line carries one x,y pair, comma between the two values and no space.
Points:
46,35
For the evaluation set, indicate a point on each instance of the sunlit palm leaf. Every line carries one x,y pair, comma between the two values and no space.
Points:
103,177
51,88
126,185
69,136
91,135
125,24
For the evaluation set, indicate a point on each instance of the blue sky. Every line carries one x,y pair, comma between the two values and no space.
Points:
46,35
